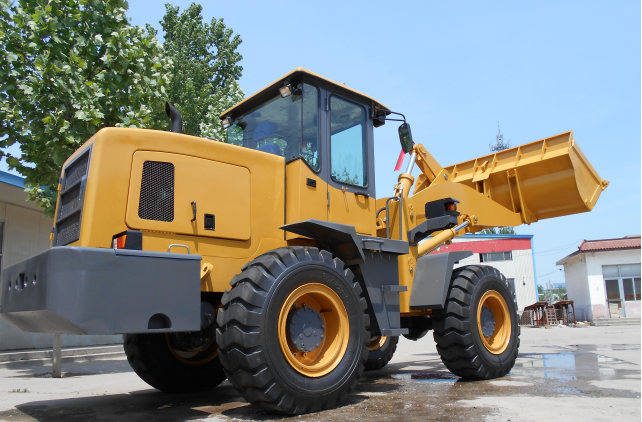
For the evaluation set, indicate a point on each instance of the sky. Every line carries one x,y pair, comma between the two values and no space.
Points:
456,69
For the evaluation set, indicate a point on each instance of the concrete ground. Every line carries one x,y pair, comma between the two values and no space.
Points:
583,374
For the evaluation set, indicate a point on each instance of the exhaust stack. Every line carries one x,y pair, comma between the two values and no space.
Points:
175,116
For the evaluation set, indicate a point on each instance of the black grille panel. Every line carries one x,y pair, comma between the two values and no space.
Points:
68,231
76,171
69,202
157,191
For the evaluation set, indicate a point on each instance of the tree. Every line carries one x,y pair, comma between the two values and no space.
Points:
67,69
498,230
205,69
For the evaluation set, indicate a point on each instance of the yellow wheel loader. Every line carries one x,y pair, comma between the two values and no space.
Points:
267,260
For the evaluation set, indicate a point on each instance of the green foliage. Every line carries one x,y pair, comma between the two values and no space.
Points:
498,230
205,69
67,69
345,177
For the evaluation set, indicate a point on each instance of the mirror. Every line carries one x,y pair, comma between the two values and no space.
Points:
405,137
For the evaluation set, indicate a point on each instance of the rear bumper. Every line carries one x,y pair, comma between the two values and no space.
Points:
75,290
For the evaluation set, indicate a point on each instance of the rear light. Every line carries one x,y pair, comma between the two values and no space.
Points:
128,239
119,242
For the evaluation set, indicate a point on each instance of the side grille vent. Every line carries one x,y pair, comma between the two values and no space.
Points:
157,191
72,193
76,171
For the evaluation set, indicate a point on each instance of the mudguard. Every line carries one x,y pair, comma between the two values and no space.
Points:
432,279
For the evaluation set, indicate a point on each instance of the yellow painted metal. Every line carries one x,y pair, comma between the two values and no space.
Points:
330,352
377,343
544,179
107,193
355,210
217,188
303,201
499,340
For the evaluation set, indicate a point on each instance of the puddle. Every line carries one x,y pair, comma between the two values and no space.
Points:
572,366
428,376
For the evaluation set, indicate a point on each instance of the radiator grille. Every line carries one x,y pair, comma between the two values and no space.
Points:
157,191
70,203
76,171
68,231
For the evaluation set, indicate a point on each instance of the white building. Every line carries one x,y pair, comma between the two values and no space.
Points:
24,232
603,278
512,254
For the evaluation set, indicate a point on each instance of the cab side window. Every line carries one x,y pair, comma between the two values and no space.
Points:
348,142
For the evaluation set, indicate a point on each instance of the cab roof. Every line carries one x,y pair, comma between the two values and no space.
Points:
297,75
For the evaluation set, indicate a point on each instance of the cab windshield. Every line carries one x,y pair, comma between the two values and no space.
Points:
288,127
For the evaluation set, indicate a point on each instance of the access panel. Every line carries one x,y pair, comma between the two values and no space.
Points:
188,195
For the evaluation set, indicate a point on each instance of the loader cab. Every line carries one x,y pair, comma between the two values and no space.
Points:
324,131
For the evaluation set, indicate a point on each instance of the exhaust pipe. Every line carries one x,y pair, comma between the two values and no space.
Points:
175,116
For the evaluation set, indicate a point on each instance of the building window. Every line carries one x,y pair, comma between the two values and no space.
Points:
622,282
496,256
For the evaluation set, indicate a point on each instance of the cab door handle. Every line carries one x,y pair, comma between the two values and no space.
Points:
193,211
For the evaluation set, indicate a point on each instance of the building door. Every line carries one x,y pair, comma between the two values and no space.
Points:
622,289
614,298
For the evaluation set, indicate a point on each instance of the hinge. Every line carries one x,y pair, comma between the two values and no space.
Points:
327,104
328,198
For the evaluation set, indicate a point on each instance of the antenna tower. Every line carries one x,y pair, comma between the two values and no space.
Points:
499,142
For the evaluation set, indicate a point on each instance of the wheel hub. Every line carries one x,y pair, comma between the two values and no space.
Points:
306,329
487,321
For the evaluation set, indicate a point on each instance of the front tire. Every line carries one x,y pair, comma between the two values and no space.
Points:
293,331
477,332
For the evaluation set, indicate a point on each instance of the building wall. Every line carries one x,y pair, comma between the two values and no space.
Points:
597,287
26,233
577,288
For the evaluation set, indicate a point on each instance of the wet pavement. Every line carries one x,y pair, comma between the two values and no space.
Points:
561,373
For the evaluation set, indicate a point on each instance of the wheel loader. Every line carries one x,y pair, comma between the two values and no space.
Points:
267,260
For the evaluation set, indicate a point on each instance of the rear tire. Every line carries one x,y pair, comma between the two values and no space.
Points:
459,329
160,365
380,354
258,327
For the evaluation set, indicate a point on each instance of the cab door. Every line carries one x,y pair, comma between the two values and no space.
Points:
351,172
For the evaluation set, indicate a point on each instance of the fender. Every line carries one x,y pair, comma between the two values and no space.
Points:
374,262
432,279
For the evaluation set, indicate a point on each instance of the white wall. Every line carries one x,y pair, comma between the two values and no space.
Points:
577,288
597,287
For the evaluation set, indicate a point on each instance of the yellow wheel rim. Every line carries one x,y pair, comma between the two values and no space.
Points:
498,341
377,343
328,355
196,357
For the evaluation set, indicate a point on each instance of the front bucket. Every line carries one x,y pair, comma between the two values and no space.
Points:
544,179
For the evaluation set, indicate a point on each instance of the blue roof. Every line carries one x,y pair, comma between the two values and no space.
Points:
12,179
